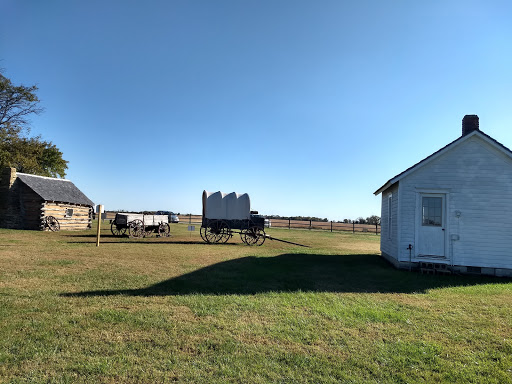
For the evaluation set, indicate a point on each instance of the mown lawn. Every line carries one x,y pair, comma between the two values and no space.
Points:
178,310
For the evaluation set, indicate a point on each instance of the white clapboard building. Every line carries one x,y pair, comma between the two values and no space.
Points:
453,209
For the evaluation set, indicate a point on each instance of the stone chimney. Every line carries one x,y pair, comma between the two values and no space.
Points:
470,123
7,178
9,175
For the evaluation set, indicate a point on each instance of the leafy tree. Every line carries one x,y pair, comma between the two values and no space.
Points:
374,219
17,103
26,154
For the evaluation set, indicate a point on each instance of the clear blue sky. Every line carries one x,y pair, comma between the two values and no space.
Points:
308,106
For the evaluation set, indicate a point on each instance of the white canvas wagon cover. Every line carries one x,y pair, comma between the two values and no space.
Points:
226,206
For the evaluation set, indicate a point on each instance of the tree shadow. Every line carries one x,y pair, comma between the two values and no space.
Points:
299,272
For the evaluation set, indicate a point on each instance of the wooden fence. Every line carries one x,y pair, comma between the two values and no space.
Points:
325,225
297,224
293,224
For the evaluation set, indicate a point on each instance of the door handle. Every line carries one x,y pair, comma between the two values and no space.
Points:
443,229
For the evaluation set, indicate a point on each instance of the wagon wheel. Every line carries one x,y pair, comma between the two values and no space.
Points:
117,230
164,230
218,231
52,223
136,228
254,236
202,232
225,232
243,233
246,237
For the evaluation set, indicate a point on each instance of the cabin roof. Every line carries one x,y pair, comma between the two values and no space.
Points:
53,189
446,148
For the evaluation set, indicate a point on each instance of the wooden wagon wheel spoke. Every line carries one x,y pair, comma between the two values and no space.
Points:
218,231
243,233
202,232
164,230
52,223
260,236
117,230
211,233
254,236
224,232
136,228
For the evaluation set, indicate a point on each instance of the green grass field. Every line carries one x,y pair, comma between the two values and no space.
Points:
177,310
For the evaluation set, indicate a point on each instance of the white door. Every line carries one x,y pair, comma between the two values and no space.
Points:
432,217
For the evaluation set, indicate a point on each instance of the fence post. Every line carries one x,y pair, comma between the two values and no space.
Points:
289,222
331,225
353,227
376,229
310,225
100,207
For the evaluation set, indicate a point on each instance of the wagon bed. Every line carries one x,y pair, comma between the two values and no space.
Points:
140,225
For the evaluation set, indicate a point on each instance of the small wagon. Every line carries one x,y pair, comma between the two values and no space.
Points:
225,212
139,225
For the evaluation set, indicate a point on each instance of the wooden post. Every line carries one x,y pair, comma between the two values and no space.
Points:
289,222
310,225
331,225
353,227
99,225
376,229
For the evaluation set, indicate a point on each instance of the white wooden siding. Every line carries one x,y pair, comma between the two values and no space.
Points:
389,236
478,180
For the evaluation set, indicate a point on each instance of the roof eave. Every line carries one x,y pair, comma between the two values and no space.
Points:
389,184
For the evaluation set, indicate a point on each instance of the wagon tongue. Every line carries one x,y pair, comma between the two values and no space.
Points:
285,241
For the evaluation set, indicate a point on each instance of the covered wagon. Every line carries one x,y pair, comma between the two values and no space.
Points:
225,212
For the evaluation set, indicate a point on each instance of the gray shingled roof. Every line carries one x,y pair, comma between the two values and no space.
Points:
52,189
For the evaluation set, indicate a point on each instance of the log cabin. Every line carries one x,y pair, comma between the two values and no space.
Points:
26,200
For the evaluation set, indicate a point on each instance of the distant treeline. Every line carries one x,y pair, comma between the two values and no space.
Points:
360,220
142,212
300,218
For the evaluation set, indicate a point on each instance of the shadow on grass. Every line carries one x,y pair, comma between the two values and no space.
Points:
164,240
294,272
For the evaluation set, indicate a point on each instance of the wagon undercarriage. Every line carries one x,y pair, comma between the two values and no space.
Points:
220,231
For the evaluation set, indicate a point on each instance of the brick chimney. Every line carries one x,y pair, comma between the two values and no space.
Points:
470,123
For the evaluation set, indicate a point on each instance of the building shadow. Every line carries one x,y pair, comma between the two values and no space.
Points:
298,272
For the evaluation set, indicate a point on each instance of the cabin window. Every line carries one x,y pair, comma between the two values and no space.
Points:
432,212
69,212
390,215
